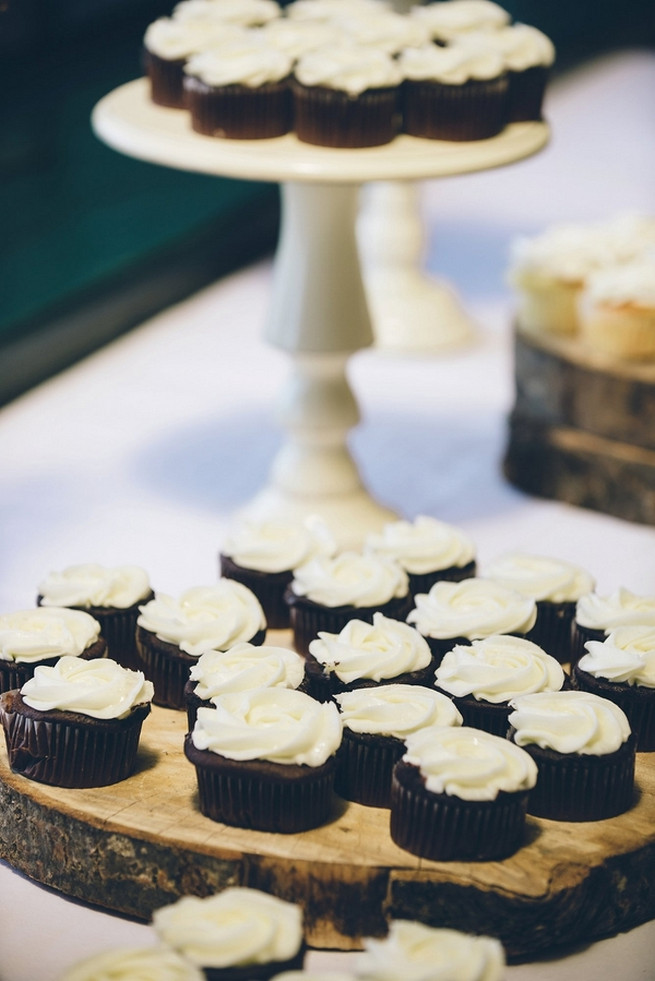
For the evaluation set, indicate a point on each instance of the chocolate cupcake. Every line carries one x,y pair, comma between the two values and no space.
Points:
482,678
427,549
42,636
460,794
622,668
326,593
265,759
376,721
172,633
238,934
584,751
555,585
240,668
263,555
77,723
110,594
453,613
597,616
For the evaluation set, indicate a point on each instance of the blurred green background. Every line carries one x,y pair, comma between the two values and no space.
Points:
94,242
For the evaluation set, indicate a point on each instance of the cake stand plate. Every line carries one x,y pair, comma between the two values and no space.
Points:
140,844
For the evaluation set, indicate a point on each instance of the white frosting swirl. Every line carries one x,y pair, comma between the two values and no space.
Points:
176,40
566,252
396,710
278,545
100,688
245,666
350,579
621,608
351,68
240,61
277,724
310,975
453,65
469,763
627,656
541,577
95,585
387,30
472,608
569,722
327,10
498,668
521,46
296,37
46,632
205,618
416,952
384,649
423,545
135,964
243,12
446,21
631,283
233,928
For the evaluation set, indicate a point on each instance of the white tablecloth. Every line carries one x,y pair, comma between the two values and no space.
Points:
142,452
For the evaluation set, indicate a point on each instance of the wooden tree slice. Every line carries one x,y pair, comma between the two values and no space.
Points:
142,843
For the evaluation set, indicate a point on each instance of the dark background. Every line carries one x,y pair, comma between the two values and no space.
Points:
94,242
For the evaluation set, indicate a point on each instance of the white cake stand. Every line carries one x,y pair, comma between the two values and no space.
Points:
319,312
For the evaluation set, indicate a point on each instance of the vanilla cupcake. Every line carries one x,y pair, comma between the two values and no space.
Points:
454,613
597,616
616,310
427,549
265,759
173,632
110,594
555,585
416,952
132,963
460,794
238,934
76,723
622,668
263,555
326,593
584,751
42,636
376,722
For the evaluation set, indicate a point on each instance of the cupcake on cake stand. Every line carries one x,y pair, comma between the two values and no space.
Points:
319,312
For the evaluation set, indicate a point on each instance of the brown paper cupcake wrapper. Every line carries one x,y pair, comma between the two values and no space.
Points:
166,76
482,715
65,749
577,787
526,94
423,582
262,796
637,701
553,628
268,587
444,828
475,110
329,117
308,618
238,112
365,763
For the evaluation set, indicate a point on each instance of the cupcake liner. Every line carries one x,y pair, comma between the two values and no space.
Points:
68,749
446,828
260,795
166,77
581,787
421,582
480,714
365,763
268,587
308,618
238,112
329,117
475,110
552,629
526,94
637,701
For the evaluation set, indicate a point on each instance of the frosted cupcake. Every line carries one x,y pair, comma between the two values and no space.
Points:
416,952
238,934
584,750
131,963
77,723
482,678
265,759
622,668
376,722
597,616
446,22
263,555
454,613
172,632
326,593
555,585
617,310
110,594
42,636
240,668
346,96
460,794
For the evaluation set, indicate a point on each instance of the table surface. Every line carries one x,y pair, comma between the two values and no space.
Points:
142,453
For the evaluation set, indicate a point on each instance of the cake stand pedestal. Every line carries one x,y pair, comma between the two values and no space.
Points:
319,313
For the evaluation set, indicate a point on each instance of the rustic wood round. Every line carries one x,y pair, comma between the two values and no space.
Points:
142,843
